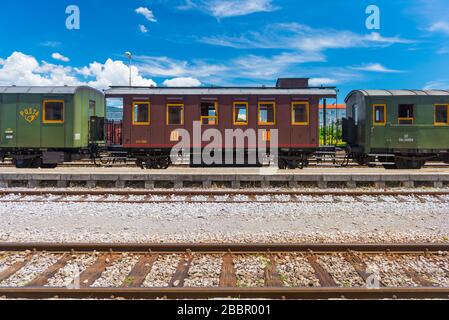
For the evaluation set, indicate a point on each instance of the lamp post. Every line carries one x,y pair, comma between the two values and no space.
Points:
129,56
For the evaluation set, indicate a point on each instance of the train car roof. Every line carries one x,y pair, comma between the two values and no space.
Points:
43,90
324,92
399,93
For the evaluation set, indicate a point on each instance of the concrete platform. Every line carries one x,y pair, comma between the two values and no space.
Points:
235,178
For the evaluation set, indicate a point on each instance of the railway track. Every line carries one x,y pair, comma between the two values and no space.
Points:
218,196
179,271
132,164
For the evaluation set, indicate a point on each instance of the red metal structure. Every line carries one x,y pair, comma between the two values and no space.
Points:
114,133
153,116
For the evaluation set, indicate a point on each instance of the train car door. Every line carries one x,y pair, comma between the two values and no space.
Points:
29,115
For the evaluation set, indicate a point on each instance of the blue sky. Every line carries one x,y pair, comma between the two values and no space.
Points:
228,42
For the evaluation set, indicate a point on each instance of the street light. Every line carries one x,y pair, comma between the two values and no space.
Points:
129,56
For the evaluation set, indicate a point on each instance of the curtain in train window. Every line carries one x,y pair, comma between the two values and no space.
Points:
267,113
209,113
379,114
141,113
240,113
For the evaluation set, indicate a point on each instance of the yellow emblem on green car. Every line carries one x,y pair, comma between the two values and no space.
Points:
29,114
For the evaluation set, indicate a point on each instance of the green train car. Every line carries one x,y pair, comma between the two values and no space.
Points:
45,126
400,128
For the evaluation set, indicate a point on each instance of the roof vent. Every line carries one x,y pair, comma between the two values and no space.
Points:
292,83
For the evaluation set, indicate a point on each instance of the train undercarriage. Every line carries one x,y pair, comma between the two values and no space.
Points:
413,160
44,159
162,159
286,159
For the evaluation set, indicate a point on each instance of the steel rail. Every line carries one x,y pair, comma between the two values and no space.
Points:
227,247
236,293
199,192
125,196
272,290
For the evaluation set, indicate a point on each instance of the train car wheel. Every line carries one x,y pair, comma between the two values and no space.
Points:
33,163
163,163
36,163
150,164
409,164
282,164
293,164
21,163
140,163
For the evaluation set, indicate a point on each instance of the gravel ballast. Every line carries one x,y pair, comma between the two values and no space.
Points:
311,221
38,264
162,271
295,271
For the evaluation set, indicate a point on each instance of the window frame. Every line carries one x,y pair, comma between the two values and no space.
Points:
44,120
210,117
435,123
376,123
274,113
240,123
406,119
299,103
135,123
181,105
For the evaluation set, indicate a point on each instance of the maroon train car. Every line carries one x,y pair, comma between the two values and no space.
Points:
153,117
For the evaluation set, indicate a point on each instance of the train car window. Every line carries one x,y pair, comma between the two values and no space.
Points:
209,113
141,113
92,107
267,113
175,114
240,113
300,113
441,114
379,114
355,114
53,111
406,115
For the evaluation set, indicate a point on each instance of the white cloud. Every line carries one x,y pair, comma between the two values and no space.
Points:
248,66
22,69
113,73
51,44
437,85
229,8
375,67
142,28
167,67
318,82
440,26
296,36
444,50
182,82
147,13
260,67
60,57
